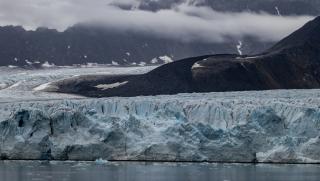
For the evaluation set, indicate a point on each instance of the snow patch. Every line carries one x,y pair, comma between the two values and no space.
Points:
48,65
166,59
12,66
92,64
142,64
154,61
110,86
196,65
115,63
42,87
28,62
252,57
249,57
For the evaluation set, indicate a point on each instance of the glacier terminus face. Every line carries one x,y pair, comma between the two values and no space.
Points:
272,126
279,126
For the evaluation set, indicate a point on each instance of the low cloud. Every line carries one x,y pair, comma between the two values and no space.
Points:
183,22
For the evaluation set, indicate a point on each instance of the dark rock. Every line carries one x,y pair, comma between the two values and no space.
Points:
293,63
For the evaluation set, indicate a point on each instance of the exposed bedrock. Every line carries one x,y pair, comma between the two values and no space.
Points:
200,127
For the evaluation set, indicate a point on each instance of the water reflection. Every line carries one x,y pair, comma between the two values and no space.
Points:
137,171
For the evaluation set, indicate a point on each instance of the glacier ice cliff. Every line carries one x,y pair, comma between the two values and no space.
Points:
268,126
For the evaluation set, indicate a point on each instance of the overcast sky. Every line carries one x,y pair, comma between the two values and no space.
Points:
183,22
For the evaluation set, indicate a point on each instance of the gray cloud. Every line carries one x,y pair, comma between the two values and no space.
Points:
183,21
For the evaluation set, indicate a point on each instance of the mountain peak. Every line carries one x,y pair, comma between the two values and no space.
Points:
308,34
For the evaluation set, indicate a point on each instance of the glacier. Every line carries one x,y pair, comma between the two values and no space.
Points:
270,126
17,84
279,126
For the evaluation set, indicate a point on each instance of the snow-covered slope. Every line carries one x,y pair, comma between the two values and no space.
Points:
17,84
269,126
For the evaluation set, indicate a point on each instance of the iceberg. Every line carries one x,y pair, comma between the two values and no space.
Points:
101,161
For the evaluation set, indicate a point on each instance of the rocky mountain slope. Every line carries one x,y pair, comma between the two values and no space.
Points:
293,63
82,44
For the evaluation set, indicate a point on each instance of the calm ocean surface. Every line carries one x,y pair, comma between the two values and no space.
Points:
140,171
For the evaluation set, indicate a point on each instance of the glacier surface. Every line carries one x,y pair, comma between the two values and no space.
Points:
266,126
269,126
17,84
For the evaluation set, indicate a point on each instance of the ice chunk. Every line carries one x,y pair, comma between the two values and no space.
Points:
101,161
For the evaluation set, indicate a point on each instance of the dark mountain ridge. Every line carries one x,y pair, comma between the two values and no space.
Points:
82,44
293,63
